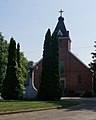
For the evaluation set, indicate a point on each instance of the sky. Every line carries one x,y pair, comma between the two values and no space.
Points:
27,21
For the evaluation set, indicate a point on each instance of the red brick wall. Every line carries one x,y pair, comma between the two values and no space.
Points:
37,74
72,68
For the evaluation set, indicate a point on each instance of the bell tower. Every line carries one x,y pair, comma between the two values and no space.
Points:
63,34
64,48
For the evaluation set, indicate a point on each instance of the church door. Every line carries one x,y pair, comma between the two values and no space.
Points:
63,85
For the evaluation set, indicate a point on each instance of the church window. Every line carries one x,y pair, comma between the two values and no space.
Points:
62,67
60,44
60,33
79,79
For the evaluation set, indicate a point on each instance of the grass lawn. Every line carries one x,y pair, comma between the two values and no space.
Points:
25,105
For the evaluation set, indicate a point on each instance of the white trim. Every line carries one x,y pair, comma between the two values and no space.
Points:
37,63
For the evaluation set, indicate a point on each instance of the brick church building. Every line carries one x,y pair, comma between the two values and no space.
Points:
75,75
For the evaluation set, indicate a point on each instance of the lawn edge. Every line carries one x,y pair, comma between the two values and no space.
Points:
28,110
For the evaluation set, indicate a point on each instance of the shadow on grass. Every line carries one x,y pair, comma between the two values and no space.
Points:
75,105
65,103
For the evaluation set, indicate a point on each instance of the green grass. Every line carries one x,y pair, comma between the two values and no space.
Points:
25,105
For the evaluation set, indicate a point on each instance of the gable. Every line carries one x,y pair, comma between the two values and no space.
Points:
77,63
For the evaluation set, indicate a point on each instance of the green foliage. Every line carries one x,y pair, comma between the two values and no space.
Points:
55,68
3,59
46,65
93,68
50,86
23,65
71,93
12,85
19,70
18,55
87,94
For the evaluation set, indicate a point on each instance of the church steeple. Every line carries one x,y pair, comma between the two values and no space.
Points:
60,28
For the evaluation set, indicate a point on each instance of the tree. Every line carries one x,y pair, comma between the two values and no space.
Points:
49,87
19,69
12,88
56,91
3,59
46,65
24,65
18,55
93,68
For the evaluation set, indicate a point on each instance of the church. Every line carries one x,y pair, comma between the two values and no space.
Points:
75,76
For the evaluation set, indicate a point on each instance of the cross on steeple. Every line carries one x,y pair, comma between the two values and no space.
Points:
61,11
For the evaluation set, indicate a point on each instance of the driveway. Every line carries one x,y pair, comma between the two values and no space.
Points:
85,111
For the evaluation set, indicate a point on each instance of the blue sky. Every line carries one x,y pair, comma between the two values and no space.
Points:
28,20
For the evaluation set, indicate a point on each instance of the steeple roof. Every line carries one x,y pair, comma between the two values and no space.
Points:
60,28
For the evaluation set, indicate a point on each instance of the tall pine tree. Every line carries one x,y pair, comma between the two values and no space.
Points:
46,65
11,85
3,59
93,68
56,91
50,87
19,70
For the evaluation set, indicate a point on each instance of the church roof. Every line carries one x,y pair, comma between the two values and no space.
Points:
61,29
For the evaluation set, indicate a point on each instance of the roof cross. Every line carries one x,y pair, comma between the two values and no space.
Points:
61,11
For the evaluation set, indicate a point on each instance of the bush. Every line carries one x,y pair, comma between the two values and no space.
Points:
87,94
70,93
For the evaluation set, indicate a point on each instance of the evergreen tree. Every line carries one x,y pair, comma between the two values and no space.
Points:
43,92
11,85
18,54
50,86
93,68
19,70
22,65
56,91
3,59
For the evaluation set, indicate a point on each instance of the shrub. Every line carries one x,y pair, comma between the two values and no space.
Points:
87,94
70,93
